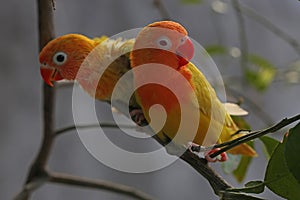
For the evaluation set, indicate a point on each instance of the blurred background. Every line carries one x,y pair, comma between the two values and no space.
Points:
214,24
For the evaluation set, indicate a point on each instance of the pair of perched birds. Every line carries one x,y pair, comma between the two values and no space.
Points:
160,44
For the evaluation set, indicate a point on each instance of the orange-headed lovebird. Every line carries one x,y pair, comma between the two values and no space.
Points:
165,43
63,58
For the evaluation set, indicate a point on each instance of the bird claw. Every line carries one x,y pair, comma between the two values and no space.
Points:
138,117
221,158
193,147
197,148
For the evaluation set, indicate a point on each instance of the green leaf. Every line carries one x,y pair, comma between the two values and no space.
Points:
191,1
255,187
278,178
269,145
292,149
262,74
215,50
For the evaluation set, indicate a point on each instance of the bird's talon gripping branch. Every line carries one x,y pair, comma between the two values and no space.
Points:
198,148
193,147
221,158
138,117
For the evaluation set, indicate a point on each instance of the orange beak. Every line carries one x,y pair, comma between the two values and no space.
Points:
185,52
50,74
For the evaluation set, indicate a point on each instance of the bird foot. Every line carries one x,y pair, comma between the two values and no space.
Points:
221,158
138,117
197,148
193,147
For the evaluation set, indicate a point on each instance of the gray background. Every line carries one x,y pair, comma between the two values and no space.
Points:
20,88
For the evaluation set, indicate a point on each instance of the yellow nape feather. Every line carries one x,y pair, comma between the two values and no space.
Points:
108,62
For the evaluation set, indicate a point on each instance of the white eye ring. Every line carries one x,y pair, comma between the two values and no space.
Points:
60,58
164,43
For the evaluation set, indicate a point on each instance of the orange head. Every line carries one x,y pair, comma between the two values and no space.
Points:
61,58
164,42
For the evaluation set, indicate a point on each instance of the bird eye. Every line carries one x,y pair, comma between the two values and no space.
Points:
182,40
164,42
60,58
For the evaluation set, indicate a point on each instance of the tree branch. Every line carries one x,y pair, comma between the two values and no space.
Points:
46,33
225,195
257,110
53,4
217,183
162,10
253,135
37,172
97,184
29,187
87,126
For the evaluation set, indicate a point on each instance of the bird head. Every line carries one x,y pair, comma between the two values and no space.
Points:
164,42
62,57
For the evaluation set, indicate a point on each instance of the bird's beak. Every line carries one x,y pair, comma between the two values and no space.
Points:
50,74
185,52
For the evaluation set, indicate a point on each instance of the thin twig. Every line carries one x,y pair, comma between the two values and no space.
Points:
29,187
53,4
162,9
235,195
256,134
257,110
46,33
88,126
242,34
272,27
97,184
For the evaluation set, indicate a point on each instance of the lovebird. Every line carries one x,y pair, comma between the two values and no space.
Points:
161,52
64,56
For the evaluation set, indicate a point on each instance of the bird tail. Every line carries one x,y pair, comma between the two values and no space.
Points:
230,133
243,149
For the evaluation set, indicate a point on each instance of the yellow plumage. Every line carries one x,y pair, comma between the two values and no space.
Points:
214,124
